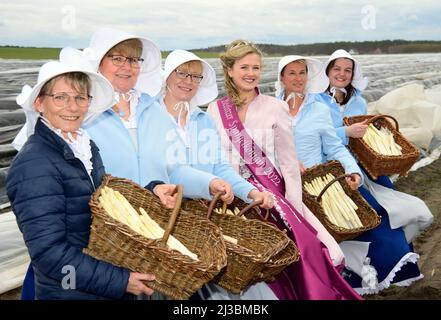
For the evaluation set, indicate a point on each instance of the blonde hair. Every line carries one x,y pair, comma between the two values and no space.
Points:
196,64
236,50
130,48
79,81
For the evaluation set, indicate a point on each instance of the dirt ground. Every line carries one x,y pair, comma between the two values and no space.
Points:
425,184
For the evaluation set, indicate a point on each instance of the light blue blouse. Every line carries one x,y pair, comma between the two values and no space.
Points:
356,106
200,148
315,137
150,160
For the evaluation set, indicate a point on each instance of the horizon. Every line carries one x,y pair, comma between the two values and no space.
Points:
191,24
274,44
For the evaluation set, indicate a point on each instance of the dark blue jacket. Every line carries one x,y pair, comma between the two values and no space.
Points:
49,190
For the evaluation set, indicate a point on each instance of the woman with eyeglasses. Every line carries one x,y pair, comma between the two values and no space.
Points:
52,178
190,82
256,134
132,134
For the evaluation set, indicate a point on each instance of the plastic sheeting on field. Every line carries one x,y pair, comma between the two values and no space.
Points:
418,112
14,257
3,196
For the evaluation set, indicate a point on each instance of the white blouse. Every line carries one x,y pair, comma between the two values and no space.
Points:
79,146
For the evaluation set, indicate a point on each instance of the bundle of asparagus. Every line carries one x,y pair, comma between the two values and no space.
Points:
382,141
233,212
337,205
119,208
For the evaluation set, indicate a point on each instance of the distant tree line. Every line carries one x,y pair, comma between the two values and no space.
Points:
365,47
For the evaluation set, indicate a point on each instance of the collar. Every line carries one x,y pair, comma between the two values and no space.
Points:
257,91
294,96
333,91
145,101
54,140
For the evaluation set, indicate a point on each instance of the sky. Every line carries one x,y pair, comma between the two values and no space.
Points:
191,24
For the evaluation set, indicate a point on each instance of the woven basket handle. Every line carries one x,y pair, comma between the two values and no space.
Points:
173,216
213,203
252,205
319,197
384,116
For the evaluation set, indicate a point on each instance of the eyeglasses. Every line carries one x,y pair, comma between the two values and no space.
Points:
61,99
196,78
119,61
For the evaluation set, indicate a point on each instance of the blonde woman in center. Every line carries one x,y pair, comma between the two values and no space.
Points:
256,134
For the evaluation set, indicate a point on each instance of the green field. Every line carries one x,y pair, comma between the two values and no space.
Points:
28,53
52,53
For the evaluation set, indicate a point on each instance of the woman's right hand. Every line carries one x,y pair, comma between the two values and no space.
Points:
219,185
167,193
357,130
354,181
266,198
136,286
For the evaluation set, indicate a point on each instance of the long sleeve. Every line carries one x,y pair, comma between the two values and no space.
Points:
224,170
39,203
341,133
333,148
356,106
268,123
196,182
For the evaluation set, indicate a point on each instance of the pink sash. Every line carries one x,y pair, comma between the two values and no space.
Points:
258,163
313,277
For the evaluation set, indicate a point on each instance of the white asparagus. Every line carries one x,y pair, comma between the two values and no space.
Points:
230,239
119,208
382,141
337,205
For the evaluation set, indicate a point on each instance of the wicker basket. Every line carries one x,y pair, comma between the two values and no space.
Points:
368,216
176,275
377,164
257,243
281,260
251,211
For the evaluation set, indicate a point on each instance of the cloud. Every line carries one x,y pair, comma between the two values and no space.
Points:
200,23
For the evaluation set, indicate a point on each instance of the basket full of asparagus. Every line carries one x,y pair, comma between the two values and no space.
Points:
257,250
383,150
132,229
343,211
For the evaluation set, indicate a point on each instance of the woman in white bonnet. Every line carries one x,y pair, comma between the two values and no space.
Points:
190,82
403,216
51,179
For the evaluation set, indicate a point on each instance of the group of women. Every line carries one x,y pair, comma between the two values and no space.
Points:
110,108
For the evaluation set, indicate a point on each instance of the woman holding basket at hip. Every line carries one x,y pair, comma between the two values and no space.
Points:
129,135
403,216
52,178
190,82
